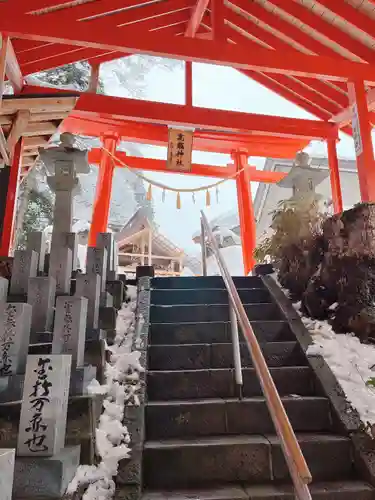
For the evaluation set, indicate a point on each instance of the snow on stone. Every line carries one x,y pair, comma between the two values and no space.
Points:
120,388
233,259
350,361
187,272
226,237
81,255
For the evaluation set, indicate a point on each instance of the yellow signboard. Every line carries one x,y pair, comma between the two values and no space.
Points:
180,147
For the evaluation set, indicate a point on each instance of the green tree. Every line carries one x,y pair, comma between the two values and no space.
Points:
37,208
76,75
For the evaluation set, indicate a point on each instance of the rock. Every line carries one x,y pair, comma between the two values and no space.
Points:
336,266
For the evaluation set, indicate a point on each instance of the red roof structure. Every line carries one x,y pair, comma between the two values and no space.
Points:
318,54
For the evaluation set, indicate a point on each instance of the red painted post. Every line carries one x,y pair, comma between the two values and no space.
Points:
245,211
335,176
11,200
362,140
188,83
103,193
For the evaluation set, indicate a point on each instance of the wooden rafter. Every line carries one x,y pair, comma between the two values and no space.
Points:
35,119
274,42
12,69
306,88
19,127
327,29
191,49
196,17
284,28
350,14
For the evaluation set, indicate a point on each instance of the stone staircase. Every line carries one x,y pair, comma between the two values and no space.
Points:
202,441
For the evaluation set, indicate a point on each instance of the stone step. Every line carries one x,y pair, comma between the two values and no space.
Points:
194,282
207,296
338,490
180,419
216,332
219,383
212,312
200,356
249,459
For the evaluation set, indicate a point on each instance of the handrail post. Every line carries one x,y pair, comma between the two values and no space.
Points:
203,248
236,349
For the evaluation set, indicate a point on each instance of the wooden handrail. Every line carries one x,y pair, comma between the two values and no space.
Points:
294,458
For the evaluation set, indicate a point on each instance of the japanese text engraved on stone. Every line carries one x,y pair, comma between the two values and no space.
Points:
42,297
97,264
14,338
89,286
106,240
70,328
25,266
44,405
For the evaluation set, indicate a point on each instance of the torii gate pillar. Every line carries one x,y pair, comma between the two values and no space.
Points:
334,176
103,192
361,125
9,180
245,210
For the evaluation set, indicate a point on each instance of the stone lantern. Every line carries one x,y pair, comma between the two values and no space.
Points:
302,178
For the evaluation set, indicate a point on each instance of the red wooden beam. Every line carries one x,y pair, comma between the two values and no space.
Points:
133,16
279,24
305,88
63,59
196,17
324,90
157,135
151,164
285,92
345,116
25,45
131,40
107,57
177,115
12,69
72,53
327,29
217,20
85,11
47,52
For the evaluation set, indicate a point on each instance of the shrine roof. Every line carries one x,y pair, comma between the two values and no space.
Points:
35,118
47,34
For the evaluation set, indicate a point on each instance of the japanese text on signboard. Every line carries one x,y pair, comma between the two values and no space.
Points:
180,144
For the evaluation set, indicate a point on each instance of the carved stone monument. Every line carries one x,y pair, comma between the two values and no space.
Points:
44,406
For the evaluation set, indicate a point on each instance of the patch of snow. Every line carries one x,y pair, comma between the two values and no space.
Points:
350,361
228,220
120,389
224,233
81,255
233,259
82,225
187,272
